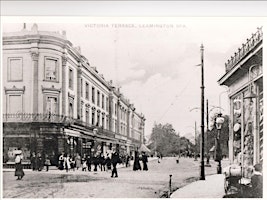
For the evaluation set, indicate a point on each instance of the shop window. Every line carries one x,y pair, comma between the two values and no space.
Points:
51,68
15,69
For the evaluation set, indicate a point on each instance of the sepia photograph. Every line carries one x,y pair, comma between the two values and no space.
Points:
132,107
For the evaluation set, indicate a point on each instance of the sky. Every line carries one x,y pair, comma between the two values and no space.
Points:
155,61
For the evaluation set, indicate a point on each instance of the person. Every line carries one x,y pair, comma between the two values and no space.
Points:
18,165
127,161
33,161
136,165
158,157
257,182
108,162
61,161
144,160
67,162
78,161
89,162
102,162
114,160
39,162
47,162
95,162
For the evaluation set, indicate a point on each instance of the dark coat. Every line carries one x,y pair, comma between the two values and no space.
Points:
115,159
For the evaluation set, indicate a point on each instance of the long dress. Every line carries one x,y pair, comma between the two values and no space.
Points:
136,165
19,169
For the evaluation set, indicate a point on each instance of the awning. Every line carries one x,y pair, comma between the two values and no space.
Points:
143,148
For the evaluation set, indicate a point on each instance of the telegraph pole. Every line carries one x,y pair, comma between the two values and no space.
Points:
202,167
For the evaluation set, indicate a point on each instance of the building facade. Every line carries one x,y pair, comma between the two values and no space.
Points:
244,77
54,101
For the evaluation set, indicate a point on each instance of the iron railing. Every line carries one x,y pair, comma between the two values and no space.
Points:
242,52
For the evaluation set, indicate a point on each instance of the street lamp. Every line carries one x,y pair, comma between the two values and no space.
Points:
250,95
218,151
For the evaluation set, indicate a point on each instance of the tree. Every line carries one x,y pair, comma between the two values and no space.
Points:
167,142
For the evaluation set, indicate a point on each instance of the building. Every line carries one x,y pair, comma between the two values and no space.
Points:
244,77
54,101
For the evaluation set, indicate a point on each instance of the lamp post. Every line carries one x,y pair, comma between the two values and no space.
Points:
218,151
202,167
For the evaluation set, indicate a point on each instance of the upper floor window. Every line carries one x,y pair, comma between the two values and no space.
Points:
70,78
107,104
115,110
81,87
51,66
103,100
51,105
98,98
15,69
87,90
93,94
71,109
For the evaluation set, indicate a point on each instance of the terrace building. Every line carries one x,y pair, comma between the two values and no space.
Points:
54,101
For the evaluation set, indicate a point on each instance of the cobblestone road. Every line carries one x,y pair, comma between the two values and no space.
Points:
129,184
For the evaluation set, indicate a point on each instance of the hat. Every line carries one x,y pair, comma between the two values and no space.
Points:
17,152
236,127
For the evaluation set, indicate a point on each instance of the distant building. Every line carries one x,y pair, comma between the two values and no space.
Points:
244,77
54,101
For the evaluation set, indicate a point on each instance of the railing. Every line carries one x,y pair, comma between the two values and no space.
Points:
242,52
36,117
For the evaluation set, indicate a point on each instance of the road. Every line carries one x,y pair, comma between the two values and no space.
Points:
130,184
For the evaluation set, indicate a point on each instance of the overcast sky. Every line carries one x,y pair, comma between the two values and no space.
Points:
154,60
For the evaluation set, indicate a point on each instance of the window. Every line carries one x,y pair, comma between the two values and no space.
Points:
103,100
93,117
15,69
87,116
98,98
98,120
93,94
107,104
81,87
71,109
115,110
103,121
52,105
70,78
107,124
87,90
15,103
51,69
82,111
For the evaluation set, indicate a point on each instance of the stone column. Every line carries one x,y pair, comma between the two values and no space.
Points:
64,85
35,58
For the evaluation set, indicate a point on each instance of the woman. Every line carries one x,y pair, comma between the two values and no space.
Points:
18,165
136,165
78,161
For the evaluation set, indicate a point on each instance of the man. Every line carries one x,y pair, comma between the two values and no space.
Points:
114,160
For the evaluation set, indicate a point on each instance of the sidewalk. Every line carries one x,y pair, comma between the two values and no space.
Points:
212,187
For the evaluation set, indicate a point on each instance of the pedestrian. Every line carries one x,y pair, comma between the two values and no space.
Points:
127,163
95,162
18,165
39,162
72,163
67,162
136,165
114,160
47,162
102,162
158,158
78,161
257,182
108,162
61,161
144,160
89,162
33,161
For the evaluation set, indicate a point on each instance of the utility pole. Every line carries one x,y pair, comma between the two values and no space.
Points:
202,167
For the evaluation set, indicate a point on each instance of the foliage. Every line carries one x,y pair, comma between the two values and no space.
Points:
167,142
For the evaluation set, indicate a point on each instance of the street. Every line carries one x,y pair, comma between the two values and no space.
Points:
153,183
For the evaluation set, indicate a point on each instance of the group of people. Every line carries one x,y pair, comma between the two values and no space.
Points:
137,159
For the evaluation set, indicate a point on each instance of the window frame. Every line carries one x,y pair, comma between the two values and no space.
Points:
56,70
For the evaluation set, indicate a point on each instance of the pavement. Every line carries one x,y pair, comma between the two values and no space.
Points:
211,187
